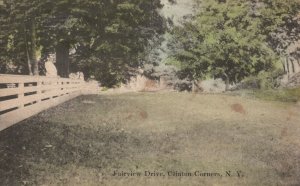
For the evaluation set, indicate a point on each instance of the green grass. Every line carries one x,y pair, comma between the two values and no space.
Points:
83,141
291,95
285,95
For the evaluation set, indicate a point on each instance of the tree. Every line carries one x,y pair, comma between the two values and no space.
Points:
3,38
109,35
21,33
226,39
281,22
119,43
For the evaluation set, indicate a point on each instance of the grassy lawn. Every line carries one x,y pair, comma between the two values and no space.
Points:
284,95
83,141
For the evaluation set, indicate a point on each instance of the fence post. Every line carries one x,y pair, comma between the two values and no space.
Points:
39,90
21,95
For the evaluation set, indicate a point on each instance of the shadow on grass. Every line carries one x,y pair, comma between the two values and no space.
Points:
27,146
35,141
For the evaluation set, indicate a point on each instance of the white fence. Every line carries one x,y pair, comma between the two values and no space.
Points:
25,96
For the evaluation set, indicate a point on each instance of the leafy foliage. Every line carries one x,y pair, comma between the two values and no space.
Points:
280,22
109,35
122,41
231,39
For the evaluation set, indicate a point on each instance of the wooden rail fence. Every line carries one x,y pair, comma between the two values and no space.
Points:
25,96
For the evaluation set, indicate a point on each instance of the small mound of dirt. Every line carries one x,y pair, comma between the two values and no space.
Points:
144,114
238,108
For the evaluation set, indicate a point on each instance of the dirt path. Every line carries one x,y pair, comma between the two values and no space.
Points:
172,135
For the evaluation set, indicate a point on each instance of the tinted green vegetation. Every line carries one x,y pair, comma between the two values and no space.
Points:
230,39
107,37
287,95
234,39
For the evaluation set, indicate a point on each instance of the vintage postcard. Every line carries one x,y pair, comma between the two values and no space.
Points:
149,92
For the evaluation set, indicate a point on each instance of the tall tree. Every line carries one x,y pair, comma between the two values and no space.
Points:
281,22
227,39
120,39
21,30
111,34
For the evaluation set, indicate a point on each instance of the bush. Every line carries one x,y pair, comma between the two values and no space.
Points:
264,80
183,85
105,89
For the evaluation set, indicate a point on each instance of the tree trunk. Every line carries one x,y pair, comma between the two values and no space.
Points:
236,78
27,52
293,66
194,86
62,59
29,62
288,67
227,83
283,65
34,61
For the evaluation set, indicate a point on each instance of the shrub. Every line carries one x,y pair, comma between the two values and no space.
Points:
104,89
264,80
183,85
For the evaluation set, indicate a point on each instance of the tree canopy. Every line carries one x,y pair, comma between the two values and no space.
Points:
107,37
228,39
233,39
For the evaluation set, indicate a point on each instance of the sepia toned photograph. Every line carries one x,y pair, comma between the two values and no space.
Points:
149,92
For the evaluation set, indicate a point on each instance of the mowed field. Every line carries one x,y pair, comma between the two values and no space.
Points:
84,141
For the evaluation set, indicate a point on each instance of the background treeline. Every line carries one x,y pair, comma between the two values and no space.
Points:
106,37
236,39
109,39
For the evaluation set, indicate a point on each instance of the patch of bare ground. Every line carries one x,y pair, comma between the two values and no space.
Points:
83,141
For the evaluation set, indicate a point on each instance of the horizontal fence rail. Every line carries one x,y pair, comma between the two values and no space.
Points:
25,96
